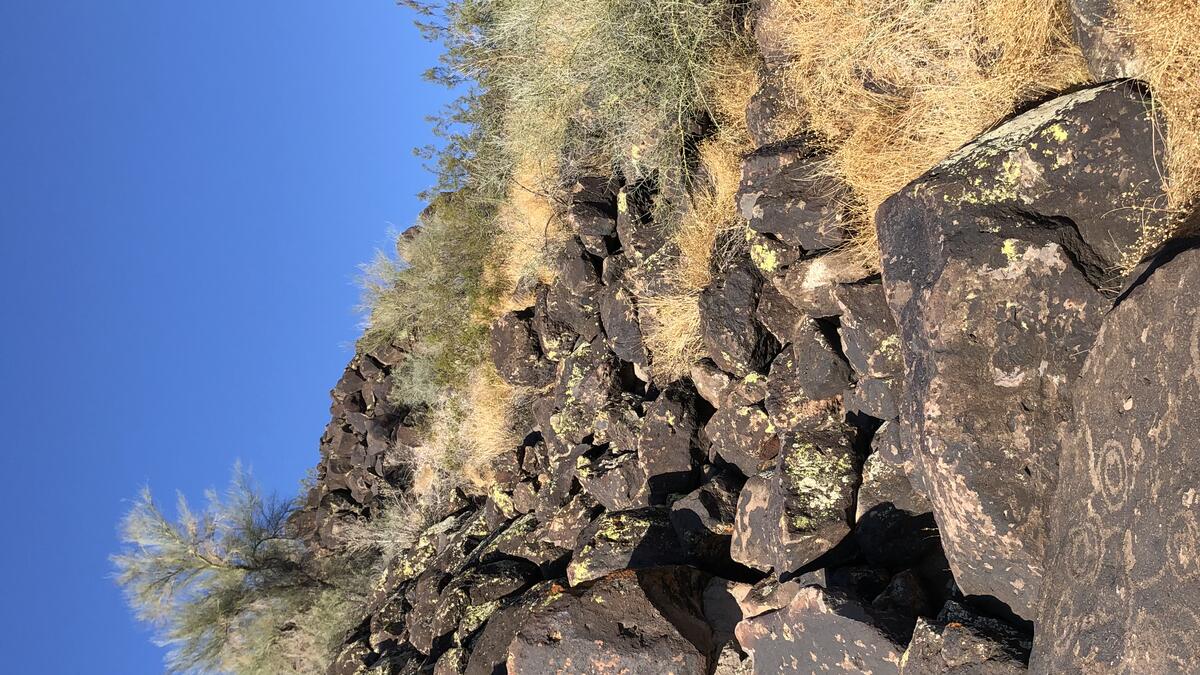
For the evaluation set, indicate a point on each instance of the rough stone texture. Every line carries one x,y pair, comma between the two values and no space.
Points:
809,284
667,450
804,378
791,515
824,631
961,642
734,338
990,265
771,117
649,622
517,352
636,539
744,437
618,315
1126,514
703,519
870,338
783,194
1106,45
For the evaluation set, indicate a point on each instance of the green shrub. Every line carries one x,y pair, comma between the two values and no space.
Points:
234,588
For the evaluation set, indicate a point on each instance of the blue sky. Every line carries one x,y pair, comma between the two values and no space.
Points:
186,191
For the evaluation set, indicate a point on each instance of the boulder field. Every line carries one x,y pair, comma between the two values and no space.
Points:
983,459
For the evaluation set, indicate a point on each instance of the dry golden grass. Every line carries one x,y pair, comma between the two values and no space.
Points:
468,430
1163,34
892,87
705,235
531,232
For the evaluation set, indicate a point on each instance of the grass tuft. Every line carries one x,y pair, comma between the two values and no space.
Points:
892,87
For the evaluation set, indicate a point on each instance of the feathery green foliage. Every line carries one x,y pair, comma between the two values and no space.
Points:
229,588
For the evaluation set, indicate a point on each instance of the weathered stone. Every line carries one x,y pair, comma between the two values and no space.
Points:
555,337
869,336
991,263
1107,45
589,381
635,539
793,514
645,622
961,642
778,315
614,480
884,481
703,520
772,115
1123,574
820,630
667,450
353,659
711,382
809,284
517,353
874,397
734,338
618,315
770,255
805,376
640,236
563,527
744,437
784,193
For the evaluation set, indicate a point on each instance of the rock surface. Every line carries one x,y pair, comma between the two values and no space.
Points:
1125,517
991,265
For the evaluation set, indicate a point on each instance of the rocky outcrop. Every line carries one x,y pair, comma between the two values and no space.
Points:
896,473
994,264
1125,517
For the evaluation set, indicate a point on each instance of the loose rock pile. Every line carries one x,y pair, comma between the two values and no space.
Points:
903,473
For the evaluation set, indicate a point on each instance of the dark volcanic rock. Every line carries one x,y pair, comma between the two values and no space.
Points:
793,514
517,353
613,479
822,630
1107,45
667,449
771,115
588,383
744,437
649,622
735,339
991,262
784,194
1126,518
961,642
618,315
805,376
703,520
635,539
870,338
809,284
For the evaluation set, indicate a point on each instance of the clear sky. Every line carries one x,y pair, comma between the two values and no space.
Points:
186,191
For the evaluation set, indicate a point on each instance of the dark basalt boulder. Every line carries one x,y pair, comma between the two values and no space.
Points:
614,479
961,642
771,115
635,539
809,284
991,263
743,436
1107,44
1126,518
821,630
618,316
556,338
589,382
733,337
803,508
806,376
783,193
572,299
703,520
640,236
668,452
869,336
517,353
641,623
